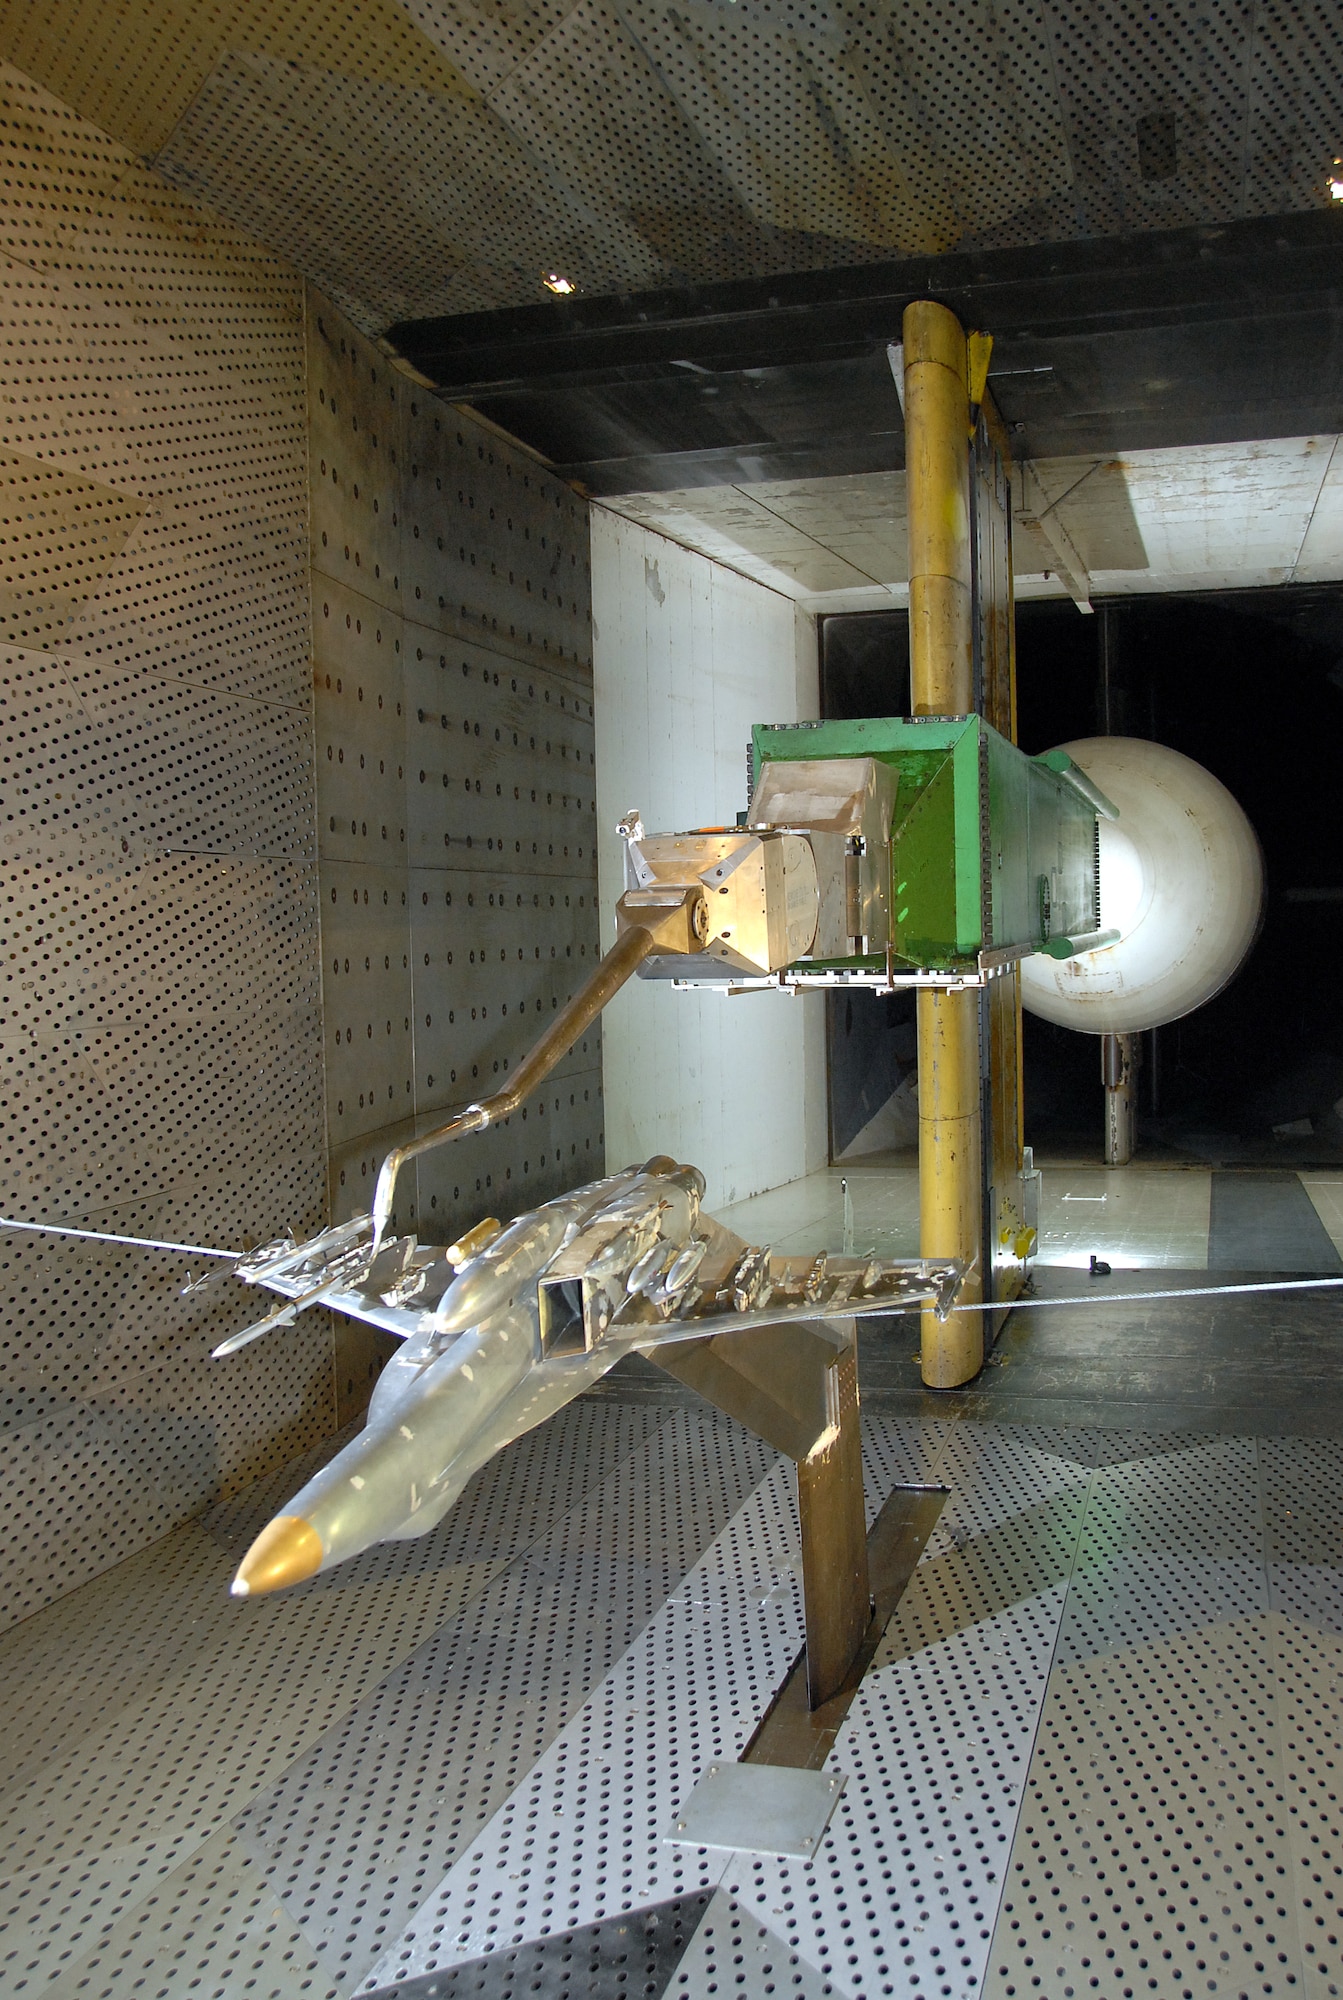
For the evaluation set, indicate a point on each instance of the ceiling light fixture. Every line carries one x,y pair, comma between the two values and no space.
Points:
553,281
1336,183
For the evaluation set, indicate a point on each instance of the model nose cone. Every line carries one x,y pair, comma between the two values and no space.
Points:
286,1551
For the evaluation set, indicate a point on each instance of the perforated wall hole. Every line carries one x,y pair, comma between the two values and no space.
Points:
456,789
161,1042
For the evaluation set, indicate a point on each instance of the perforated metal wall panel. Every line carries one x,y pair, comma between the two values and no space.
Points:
456,788
159,1012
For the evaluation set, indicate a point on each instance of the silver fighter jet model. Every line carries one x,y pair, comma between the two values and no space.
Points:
507,1325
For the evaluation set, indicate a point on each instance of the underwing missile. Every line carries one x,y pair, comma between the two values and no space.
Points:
686,1265
642,1275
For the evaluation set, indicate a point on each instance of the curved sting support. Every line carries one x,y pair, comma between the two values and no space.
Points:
620,963
670,922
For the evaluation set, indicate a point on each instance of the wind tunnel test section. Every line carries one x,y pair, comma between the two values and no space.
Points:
922,853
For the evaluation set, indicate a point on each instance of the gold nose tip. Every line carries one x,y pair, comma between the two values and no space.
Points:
286,1551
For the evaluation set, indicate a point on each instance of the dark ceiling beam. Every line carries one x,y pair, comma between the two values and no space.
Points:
1189,337
1041,292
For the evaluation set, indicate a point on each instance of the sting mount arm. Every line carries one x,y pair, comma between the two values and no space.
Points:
663,918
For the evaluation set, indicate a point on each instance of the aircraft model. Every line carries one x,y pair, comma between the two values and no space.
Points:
509,1324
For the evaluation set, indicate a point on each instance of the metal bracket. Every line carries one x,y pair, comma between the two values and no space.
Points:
1038,513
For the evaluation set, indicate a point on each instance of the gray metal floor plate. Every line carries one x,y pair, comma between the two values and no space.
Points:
904,1894
1266,1222
1097,1753
412,1772
630,1956
143,1715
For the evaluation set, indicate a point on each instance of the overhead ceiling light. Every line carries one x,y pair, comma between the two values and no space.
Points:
553,281
1336,183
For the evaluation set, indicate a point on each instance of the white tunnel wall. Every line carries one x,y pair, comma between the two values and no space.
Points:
687,655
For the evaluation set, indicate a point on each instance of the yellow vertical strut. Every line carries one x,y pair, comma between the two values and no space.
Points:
937,428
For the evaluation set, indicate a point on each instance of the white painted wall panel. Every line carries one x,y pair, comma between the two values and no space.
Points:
1321,556
686,656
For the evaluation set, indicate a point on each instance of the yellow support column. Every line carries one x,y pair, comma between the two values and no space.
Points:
937,460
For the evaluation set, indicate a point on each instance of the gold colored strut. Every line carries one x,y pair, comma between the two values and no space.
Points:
941,653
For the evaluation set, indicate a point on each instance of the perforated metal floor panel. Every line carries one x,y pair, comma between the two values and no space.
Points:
1181,1830
1096,1753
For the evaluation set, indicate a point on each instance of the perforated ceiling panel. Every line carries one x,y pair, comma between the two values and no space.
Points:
161,1031
456,788
397,202
428,156
134,70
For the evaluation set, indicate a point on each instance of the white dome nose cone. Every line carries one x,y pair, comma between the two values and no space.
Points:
1181,879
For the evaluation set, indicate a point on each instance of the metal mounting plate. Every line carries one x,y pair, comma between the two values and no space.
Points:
758,1809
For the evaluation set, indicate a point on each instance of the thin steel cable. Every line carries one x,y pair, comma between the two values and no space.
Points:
979,1305
1174,1292
101,1236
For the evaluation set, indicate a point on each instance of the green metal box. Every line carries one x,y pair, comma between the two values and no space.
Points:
993,854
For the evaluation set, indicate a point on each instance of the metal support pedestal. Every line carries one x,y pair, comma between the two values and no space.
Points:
1120,1058
835,1583
798,1732
796,1386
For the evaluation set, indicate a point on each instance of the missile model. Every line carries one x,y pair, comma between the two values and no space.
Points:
507,1325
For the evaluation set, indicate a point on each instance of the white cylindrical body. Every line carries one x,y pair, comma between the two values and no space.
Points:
1181,879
